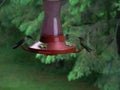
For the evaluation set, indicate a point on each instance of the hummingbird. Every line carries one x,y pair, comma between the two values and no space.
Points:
81,40
22,42
83,45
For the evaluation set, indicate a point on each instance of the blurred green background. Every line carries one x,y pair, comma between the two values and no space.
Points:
96,21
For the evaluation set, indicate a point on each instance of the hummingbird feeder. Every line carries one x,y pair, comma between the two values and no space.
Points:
52,40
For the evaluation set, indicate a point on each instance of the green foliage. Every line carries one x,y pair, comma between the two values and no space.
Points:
50,59
86,63
20,2
46,59
117,5
93,20
23,14
73,2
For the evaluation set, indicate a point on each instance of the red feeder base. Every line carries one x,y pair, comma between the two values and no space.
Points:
55,45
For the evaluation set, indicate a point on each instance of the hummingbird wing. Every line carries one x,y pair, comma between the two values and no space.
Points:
19,43
86,47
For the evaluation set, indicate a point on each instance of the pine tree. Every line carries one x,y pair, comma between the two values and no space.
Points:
96,21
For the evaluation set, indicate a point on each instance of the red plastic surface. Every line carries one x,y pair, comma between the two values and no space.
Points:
55,45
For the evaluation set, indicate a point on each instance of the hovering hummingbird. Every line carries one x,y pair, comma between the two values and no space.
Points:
22,42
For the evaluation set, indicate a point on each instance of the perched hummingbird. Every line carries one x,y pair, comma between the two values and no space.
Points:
22,42
83,45
81,40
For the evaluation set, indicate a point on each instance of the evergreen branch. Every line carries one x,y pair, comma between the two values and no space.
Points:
90,24
96,24
108,44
